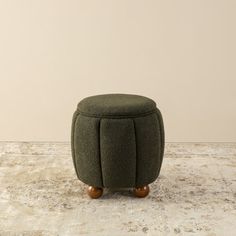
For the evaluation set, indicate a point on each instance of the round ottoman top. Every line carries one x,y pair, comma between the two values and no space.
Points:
116,105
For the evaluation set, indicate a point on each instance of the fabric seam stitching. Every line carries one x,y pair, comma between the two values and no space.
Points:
136,153
116,116
73,140
99,146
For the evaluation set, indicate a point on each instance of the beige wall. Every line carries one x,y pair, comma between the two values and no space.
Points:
180,53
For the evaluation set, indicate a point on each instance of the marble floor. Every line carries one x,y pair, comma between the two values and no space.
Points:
194,195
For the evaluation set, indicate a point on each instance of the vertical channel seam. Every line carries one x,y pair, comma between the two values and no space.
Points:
74,121
99,151
161,128
136,153
159,132
161,152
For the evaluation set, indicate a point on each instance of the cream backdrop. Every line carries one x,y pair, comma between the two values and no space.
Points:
180,53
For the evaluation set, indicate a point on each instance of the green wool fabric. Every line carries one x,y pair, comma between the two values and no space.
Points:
117,140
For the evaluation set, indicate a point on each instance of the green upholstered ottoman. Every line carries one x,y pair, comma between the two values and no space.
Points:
117,142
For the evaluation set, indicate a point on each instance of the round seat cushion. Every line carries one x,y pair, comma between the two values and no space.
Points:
116,105
117,140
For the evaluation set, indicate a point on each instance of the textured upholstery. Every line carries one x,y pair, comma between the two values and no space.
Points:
117,140
114,105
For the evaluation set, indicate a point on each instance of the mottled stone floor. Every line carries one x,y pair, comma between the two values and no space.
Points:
194,195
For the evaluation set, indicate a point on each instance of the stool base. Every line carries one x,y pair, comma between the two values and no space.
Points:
94,192
141,191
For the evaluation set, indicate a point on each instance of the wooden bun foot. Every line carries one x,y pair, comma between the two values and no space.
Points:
94,192
141,191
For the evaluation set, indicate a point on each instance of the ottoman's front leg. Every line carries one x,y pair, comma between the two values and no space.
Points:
141,191
94,192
